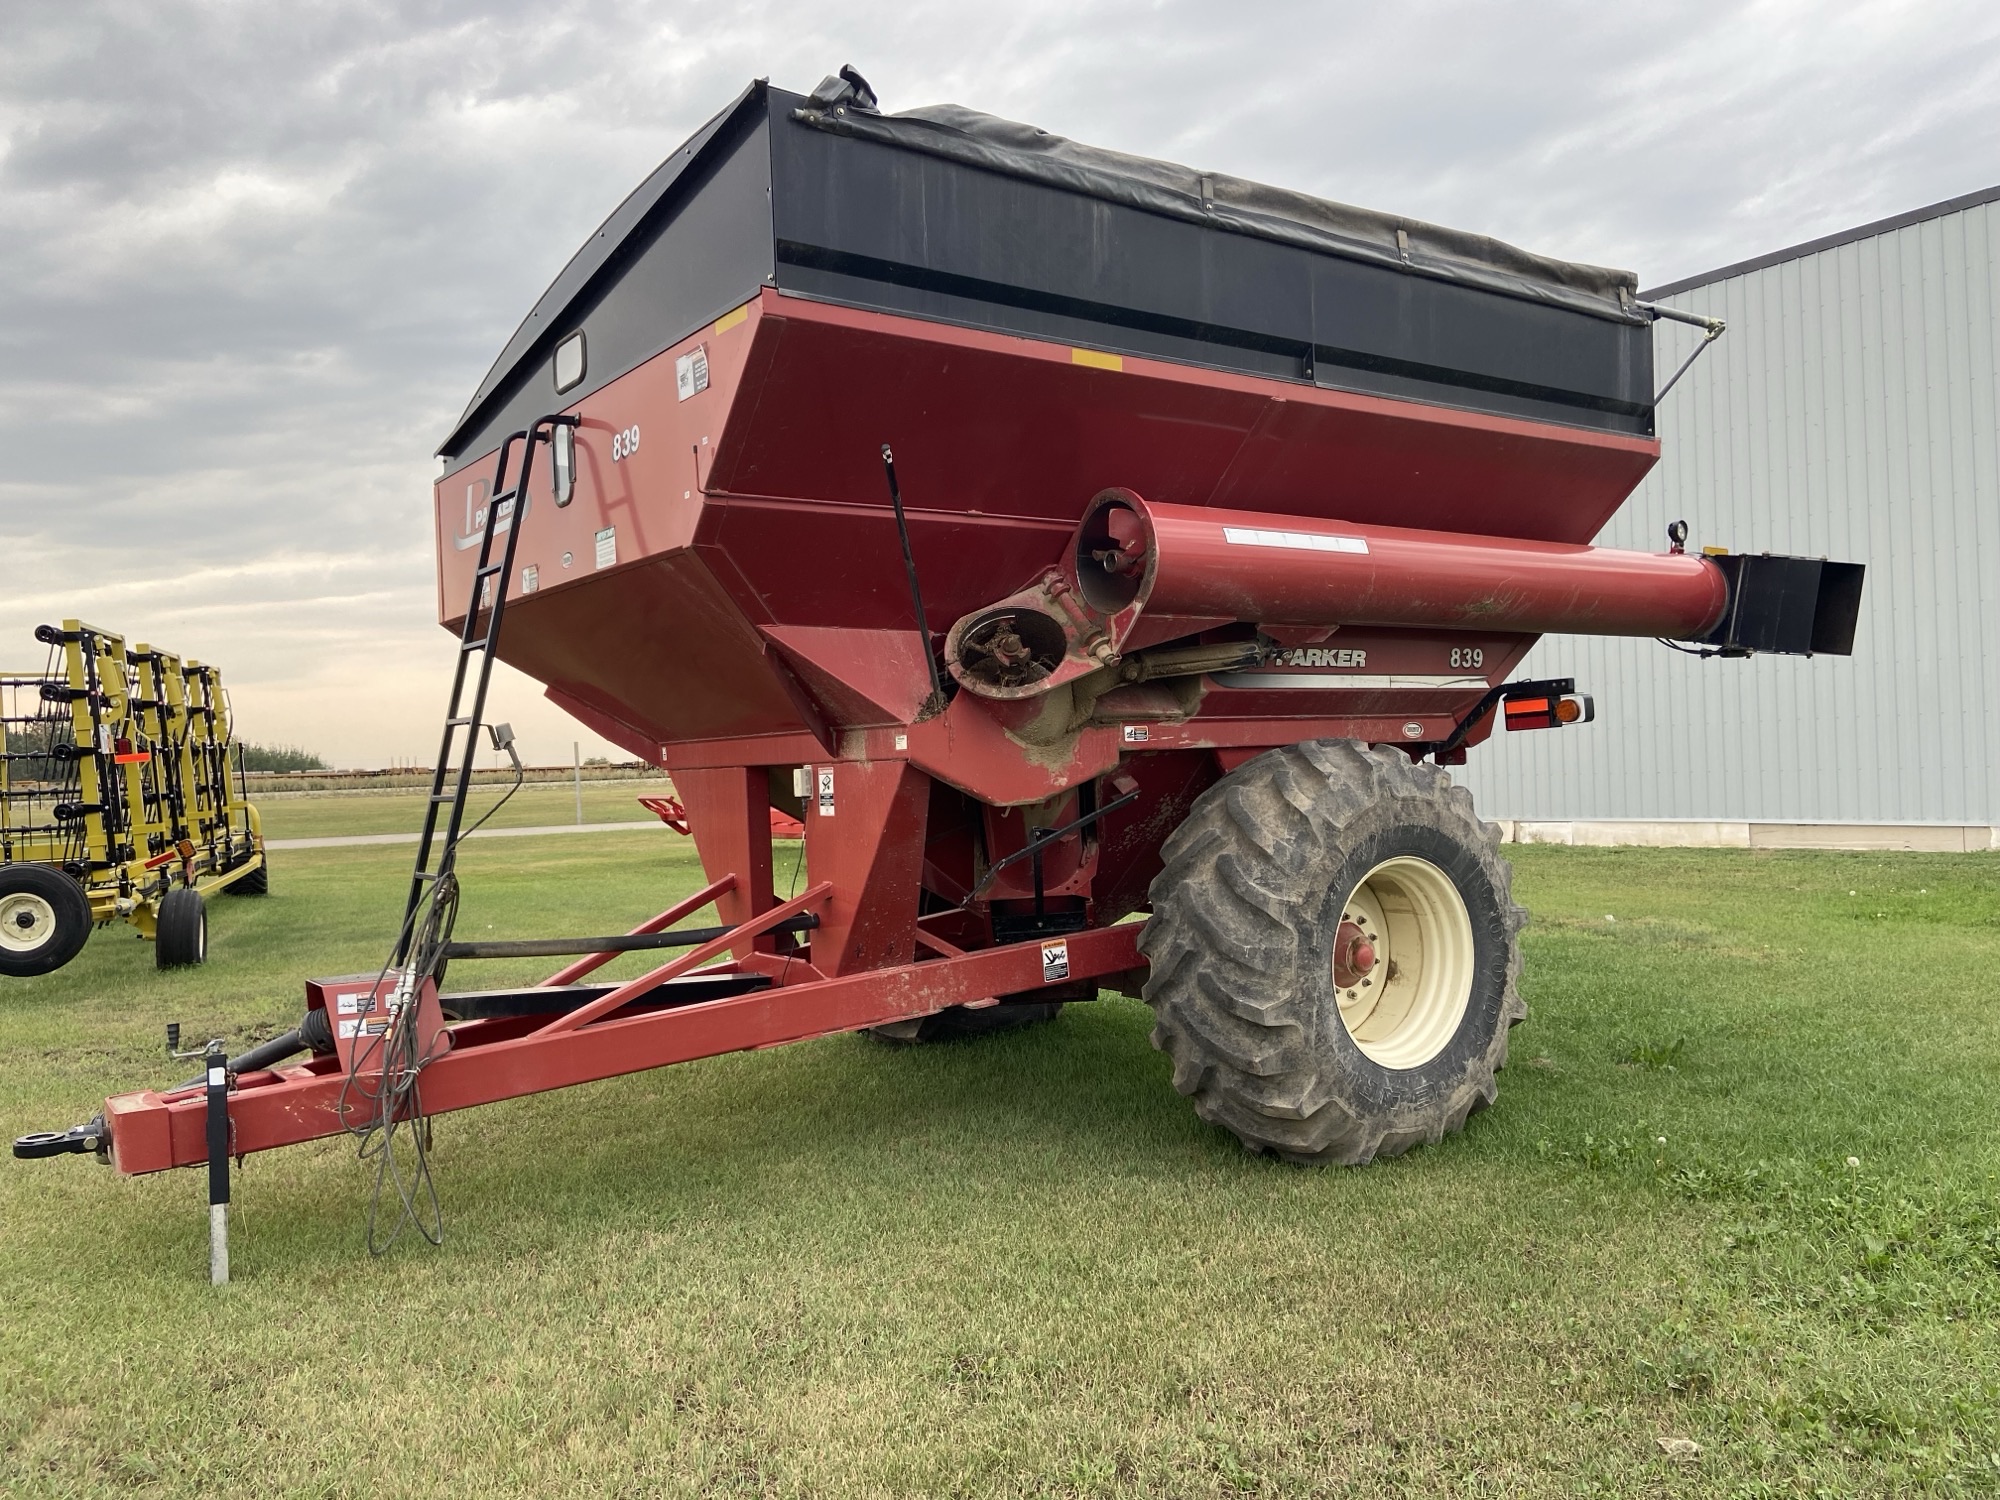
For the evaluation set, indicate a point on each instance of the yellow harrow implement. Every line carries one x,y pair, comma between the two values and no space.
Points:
117,801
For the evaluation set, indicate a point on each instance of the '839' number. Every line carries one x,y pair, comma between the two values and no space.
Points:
624,444
1467,656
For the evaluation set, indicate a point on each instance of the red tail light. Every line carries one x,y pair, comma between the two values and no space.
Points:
1546,711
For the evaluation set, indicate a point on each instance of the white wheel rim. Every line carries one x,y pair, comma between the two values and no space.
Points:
27,922
1404,1008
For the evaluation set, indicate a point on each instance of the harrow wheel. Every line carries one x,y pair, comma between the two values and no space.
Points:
44,920
256,883
180,931
1334,950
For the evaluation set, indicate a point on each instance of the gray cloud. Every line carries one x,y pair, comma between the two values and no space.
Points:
254,257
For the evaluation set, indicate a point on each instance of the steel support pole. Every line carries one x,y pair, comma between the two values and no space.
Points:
216,1066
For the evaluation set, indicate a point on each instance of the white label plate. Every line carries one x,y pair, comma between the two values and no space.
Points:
1296,541
691,372
1055,961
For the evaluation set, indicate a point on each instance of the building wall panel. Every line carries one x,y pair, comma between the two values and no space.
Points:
1852,411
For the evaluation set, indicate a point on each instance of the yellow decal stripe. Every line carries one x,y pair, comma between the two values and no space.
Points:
1096,359
730,319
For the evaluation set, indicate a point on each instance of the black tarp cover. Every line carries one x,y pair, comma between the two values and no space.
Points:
1238,205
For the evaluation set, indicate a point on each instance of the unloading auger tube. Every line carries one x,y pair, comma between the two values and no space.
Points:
1208,567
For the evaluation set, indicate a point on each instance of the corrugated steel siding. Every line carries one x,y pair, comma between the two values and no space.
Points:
1849,412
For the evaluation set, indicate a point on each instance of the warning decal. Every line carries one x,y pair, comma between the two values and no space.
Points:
1055,961
691,373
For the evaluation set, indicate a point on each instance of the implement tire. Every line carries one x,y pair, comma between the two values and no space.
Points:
1334,949
180,929
256,883
44,920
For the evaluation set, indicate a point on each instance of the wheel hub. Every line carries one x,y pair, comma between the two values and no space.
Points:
27,921
1353,955
1403,962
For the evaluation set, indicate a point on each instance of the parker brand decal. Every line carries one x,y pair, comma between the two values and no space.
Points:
1322,656
473,527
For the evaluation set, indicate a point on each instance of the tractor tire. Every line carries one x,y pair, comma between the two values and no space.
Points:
1334,953
44,920
256,883
180,930
957,1024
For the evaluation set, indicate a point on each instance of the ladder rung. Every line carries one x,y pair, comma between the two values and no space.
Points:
490,569
478,645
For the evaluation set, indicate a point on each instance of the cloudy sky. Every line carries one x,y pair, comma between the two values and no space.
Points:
254,257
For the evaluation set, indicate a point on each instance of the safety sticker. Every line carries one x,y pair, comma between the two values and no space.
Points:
359,1003
531,578
902,742
607,547
825,780
374,1025
1137,734
348,1029
691,372
1055,961
1297,541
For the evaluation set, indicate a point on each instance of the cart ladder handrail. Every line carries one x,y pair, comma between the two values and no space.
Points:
451,780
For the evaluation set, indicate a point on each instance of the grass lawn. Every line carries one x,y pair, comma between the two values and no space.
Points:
535,805
1740,1188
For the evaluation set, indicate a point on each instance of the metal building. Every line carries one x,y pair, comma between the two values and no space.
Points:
1850,411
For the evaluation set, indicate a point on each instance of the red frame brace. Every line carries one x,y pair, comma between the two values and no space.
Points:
493,1060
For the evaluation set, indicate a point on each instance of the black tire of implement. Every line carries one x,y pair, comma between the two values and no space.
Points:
72,919
1245,910
957,1024
256,883
180,931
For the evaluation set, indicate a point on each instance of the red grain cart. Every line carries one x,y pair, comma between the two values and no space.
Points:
1226,515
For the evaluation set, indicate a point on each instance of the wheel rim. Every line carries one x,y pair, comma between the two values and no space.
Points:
27,922
1403,962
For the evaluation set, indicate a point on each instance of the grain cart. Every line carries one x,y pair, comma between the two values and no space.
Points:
1061,536
117,801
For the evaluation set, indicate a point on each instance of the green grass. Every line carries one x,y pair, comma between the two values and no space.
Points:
537,805
1022,1266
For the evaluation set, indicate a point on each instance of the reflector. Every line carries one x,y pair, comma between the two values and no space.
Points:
1531,713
